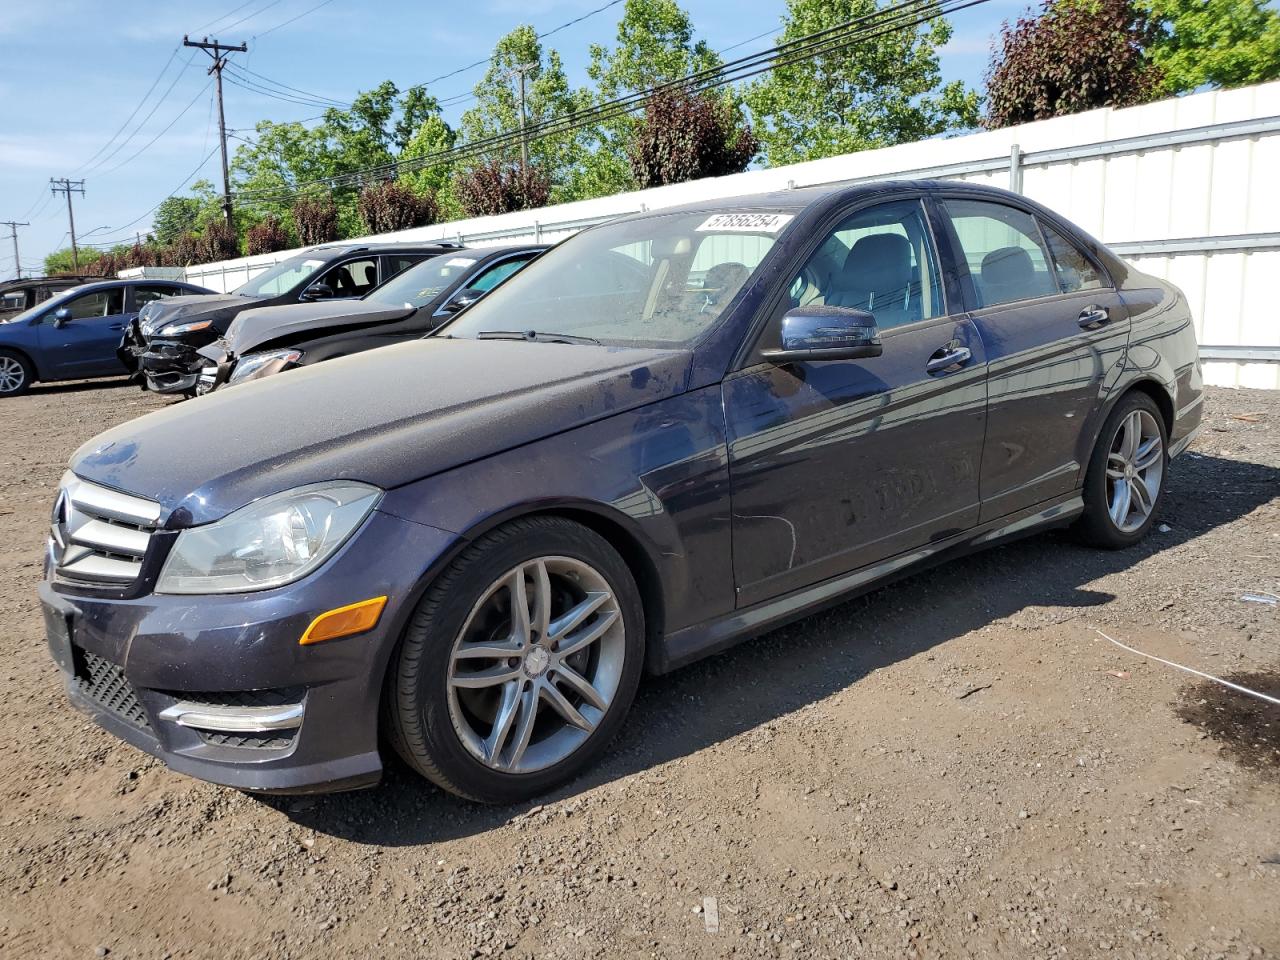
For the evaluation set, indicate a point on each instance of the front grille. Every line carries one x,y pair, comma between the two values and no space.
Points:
245,698
104,683
99,536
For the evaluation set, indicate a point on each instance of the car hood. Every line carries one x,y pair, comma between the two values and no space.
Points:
260,325
387,416
221,308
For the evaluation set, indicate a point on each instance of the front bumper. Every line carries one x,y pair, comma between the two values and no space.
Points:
219,688
165,366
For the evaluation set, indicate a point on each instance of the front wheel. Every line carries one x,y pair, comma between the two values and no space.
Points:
1125,479
519,664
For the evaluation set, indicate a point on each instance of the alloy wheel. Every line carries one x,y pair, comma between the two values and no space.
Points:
536,664
1135,470
12,375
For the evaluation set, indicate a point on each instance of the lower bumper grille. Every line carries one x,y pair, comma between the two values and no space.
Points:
104,683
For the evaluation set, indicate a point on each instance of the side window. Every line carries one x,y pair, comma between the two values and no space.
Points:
1075,270
352,279
100,303
395,262
497,273
880,260
145,293
1004,251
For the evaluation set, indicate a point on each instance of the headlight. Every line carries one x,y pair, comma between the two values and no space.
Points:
257,365
177,329
272,542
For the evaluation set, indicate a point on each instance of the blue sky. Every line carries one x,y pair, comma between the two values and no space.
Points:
72,71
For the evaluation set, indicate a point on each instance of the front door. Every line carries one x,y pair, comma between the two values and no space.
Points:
841,463
84,345
1055,331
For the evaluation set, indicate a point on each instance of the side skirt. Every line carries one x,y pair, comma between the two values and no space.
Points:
703,639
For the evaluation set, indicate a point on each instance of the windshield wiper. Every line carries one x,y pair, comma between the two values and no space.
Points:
533,336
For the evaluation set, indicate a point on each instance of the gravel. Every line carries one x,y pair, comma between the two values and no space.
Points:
956,765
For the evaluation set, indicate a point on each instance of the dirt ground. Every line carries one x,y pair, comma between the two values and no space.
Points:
957,765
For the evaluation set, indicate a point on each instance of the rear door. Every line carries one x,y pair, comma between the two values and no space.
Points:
85,344
1055,331
837,464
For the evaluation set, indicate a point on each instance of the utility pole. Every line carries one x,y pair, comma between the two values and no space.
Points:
63,185
218,51
13,226
521,70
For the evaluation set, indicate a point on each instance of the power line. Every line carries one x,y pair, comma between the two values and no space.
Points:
249,16
189,177
905,15
169,126
129,119
241,69
138,129
225,15
323,3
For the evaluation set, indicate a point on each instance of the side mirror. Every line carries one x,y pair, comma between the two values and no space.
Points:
826,333
61,316
464,298
318,291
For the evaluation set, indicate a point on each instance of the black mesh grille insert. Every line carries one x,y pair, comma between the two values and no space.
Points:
271,740
104,682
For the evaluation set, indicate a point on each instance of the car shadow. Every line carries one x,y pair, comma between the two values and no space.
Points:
789,668
78,386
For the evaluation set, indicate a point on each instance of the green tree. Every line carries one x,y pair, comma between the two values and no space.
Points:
432,136
655,44
1222,43
547,97
174,217
60,261
879,91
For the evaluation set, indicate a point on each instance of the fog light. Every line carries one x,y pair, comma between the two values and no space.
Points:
345,621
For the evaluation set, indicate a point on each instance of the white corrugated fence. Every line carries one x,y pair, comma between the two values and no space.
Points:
1185,188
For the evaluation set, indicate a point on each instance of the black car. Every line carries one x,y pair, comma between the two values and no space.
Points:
24,293
160,347
267,340
677,430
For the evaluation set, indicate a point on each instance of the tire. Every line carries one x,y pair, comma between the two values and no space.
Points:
1115,468
446,697
16,374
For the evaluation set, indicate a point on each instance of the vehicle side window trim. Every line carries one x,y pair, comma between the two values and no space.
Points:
1108,282
746,355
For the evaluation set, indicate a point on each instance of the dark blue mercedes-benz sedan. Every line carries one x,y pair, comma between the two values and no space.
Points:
673,431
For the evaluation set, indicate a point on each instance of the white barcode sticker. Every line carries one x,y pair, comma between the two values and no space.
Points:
746,222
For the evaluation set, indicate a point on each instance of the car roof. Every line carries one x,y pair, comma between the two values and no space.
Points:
802,198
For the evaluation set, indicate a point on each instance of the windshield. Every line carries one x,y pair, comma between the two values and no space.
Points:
281,278
661,280
423,282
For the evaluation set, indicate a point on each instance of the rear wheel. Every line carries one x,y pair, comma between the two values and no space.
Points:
520,662
1125,479
16,374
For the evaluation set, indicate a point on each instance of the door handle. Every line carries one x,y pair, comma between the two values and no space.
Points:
1094,316
944,358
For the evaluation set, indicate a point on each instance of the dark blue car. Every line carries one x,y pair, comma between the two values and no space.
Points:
75,335
670,432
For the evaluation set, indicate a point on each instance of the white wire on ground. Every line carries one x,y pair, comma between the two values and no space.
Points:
1178,666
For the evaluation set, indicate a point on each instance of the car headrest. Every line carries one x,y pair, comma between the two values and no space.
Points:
1008,266
723,280
879,262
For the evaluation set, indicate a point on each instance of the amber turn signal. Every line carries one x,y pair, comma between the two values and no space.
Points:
345,621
